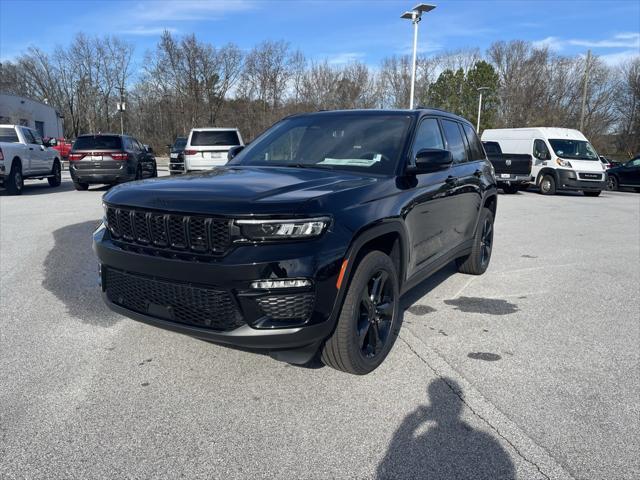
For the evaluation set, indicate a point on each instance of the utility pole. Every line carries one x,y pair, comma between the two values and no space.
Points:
121,109
584,91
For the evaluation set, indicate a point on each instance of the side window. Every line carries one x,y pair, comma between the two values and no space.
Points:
28,136
477,153
455,143
36,137
427,136
540,150
140,146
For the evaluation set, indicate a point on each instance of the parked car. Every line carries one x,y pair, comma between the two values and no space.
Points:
61,145
208,147
305,240
513,170
626,175
176,156
24,155
109,158
563,158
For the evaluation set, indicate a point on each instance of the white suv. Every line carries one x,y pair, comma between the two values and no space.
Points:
208,147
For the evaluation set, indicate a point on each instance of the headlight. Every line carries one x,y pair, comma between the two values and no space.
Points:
563,163
282,229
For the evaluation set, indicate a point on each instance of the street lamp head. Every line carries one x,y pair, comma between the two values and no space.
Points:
423,7
417,11
483,89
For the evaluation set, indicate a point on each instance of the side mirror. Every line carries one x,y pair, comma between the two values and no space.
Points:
233,151
431,160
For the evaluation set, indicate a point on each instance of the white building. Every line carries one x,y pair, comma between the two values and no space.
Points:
30,113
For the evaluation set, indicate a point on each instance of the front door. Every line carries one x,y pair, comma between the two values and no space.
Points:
629,174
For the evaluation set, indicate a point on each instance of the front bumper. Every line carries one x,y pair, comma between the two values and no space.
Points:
570,180
233,274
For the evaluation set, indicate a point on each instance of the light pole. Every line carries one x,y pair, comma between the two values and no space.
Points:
415,16
480,89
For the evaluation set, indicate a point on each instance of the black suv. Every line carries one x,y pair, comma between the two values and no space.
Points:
111,159
305,240
176,156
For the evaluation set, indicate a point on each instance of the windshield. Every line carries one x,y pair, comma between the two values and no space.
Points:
179,144
361,143
214,138
98,142
574,149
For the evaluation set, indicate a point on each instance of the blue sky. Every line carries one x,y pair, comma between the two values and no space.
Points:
338,30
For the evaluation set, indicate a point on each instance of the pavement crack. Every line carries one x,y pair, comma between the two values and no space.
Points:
460,395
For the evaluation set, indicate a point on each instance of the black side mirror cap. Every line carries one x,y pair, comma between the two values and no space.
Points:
431,160
233,151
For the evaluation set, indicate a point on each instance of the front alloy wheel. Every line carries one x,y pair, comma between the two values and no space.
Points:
369,321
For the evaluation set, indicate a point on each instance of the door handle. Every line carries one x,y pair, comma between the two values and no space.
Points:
451,181
478,173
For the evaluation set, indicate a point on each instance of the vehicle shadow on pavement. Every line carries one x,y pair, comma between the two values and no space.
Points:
71,274
418,292
433,442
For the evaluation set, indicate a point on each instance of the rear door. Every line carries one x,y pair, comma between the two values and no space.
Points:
629,174
464,184
97,152
211,147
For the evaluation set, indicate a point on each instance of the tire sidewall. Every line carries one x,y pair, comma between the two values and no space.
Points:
552,185
16,180
370,264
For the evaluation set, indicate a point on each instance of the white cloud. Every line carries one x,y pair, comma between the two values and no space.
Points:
552,43
621,40
148,31
155,11
344,57
615,59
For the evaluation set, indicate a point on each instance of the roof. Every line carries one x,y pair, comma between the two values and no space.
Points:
548,132
417,112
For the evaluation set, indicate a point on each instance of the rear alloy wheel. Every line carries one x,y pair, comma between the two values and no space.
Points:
612,183
477,262
15,182
369,320
56,175
548,185
80,186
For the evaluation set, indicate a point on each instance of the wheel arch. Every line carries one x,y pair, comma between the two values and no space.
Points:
545,171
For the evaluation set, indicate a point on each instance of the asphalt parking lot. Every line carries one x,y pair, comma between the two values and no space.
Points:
531,371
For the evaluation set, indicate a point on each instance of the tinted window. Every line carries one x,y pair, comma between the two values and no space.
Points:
428,136
337,141
98,142
9,135
540,150
475,147
455,143
179,144
28,137
492,148
213,138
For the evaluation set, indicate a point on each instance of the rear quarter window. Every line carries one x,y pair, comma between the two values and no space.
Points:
475,146
98,142
9,135
455,141
213,138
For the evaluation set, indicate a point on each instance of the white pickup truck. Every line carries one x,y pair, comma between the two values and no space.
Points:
23,154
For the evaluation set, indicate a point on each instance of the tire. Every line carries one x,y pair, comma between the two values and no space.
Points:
510,189
15,182
80,186
548,185
612,183
477,262
56,179
365,332
592,194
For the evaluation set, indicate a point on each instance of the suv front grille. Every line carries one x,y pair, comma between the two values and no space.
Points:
173,233
179,302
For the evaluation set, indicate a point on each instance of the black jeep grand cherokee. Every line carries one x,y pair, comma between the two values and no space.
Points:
305,240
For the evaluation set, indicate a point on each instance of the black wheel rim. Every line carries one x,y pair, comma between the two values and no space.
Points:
486,242
611,183
375,314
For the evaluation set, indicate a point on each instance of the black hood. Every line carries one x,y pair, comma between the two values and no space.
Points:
237,190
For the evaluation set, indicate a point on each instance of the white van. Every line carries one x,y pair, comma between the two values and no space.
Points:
208,147
563,159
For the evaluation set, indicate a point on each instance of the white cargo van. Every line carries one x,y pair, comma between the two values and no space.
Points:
208,147
563,159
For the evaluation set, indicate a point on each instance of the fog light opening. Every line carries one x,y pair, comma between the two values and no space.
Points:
277,284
